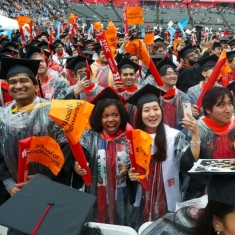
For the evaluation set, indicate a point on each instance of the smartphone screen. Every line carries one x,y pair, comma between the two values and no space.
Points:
82,75
187,108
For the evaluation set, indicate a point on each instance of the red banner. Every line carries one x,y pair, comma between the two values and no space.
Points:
125,21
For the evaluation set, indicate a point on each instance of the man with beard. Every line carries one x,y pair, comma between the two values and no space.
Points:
189,73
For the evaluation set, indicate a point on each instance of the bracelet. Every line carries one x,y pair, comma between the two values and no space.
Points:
195,144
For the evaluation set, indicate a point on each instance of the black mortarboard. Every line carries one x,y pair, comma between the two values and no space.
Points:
216,44
188,41
183,52
209,61
32,50
57,42
63,36
12,46
68,58
223,41
45,45
76,63
230,54
4,41
146,94
165,64
232,42
231,86
42,34
88,54
126,61
87,42
14,66
120,35
6,51
198,28
221,189
157,38
107,93
156,58
97,48
67,209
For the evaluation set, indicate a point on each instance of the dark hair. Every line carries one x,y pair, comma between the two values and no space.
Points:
164,71
207,68
96,115
230,60
79,66
212,96
86,230
160,138
126,66
204,225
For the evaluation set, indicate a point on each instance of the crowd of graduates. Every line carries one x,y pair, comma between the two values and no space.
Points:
181,130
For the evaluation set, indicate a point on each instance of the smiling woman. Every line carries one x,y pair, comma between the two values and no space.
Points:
105,148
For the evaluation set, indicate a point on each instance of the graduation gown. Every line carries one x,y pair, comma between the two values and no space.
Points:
189,76
171,104
54,87
15,126
70,79
112,204
216,143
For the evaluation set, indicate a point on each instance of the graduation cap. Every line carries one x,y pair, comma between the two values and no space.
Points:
230,54
126,61
77,62
97,48
198,28
57,42
68,59
216,44
183,52
88,54
50,208
121,35
4,41
156,58
87,42
221,189
231,86
63,36
45,46
32,50
157,38
13,66
232,43
42,34
107,93
223,40
209,61
146,94
188,41
12,47
165,64
6,51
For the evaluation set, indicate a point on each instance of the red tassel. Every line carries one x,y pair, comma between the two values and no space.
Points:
88,70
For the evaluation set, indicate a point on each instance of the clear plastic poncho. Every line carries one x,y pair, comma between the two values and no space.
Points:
31,120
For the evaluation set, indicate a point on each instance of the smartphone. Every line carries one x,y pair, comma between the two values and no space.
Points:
187,108
82,75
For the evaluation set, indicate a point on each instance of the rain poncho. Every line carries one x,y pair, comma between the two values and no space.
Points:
102,75
103,156
54,87
171,104
163,180
149,80
89,93
32,120
70,79
216,143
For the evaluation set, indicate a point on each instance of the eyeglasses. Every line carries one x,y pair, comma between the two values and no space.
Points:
171,74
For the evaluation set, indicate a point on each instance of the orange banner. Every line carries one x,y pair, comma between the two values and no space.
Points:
72,18
226,68
98,26
137,47
149,38
22,20
46,151
134,15
72,116
111,37
142,143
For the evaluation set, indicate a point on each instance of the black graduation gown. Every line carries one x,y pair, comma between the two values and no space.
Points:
189,76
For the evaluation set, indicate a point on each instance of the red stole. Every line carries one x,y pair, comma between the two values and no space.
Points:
131,89
222,141
72,80
6,96
88,89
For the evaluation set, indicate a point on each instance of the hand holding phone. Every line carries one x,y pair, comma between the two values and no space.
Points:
82,75
187,109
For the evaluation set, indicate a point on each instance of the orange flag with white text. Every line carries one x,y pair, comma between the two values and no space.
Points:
138,48
22,20
111,37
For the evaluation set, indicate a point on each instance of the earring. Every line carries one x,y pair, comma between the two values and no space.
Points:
218,232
